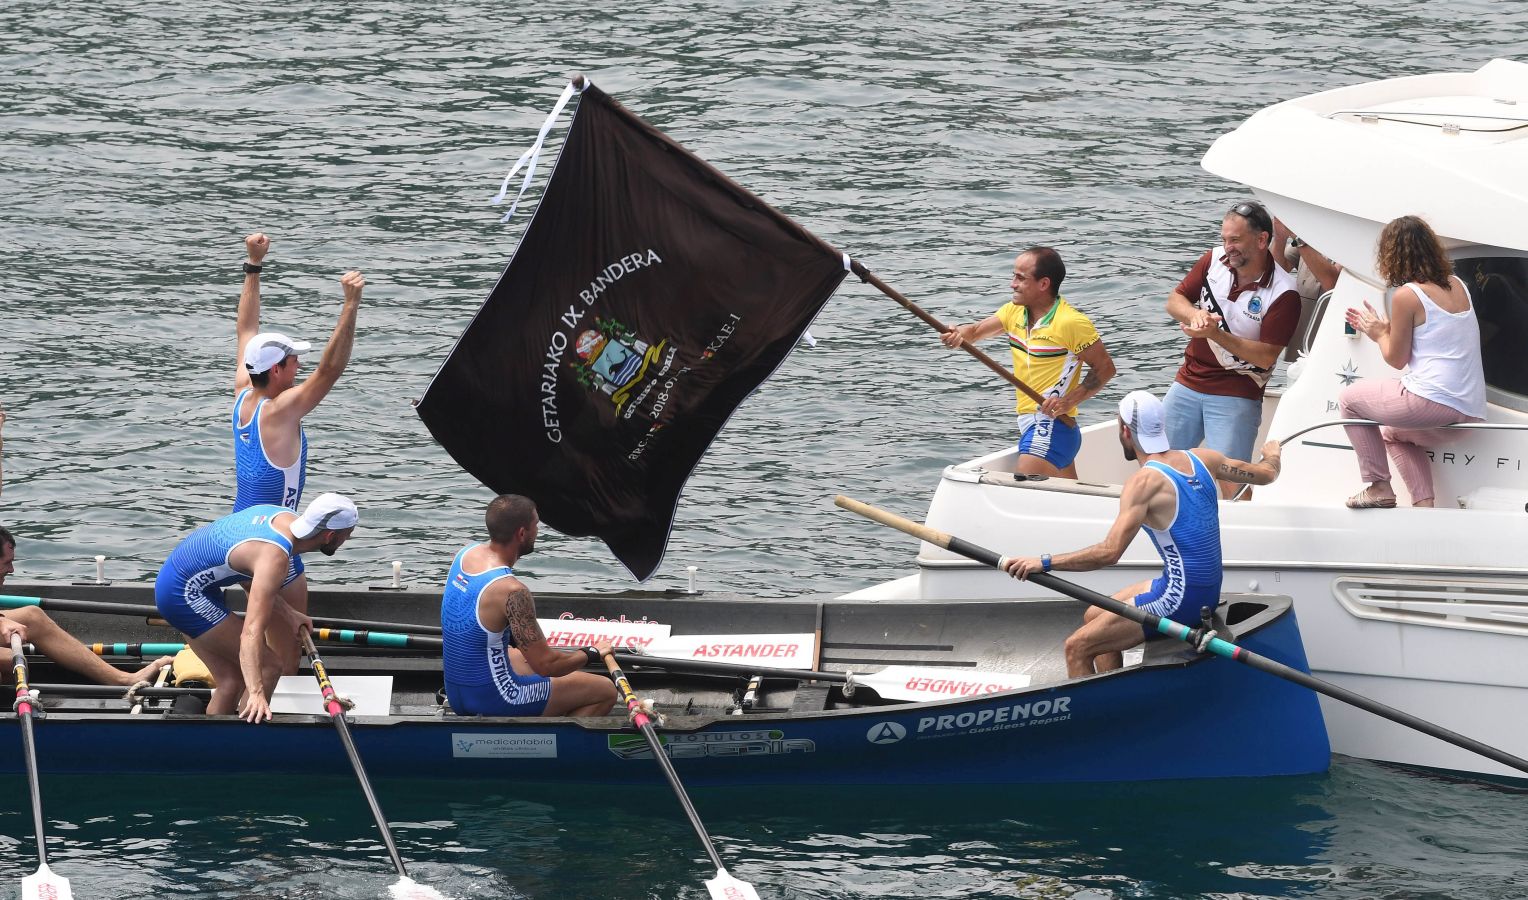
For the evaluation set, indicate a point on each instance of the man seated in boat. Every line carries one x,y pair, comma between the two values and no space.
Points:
1051,341
254,545
270,447
1239,310
1172,497
497,662
38,627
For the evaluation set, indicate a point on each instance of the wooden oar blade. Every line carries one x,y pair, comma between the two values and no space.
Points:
725,887
45,884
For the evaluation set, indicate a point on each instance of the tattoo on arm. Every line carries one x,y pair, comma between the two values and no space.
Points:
1091,381
1236,473
520,610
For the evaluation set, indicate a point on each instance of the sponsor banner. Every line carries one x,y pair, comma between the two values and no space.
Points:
1028,714
937,683
585,632
503,746
771,651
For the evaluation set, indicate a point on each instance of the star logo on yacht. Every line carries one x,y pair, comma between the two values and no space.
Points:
1349,374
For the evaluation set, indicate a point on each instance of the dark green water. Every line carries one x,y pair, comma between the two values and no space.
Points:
1362,831
139,143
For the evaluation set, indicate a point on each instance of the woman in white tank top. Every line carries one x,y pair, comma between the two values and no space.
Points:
1433,333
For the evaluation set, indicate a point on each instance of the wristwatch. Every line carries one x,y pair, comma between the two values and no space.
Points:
1296,243
252,268
1045,562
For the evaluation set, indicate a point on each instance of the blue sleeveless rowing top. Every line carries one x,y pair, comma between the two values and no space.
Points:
473,655
258,479
200,561
1190,547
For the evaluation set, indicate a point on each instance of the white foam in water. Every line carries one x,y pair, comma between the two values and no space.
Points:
409,889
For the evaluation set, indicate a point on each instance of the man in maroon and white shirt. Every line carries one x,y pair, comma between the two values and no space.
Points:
1239,311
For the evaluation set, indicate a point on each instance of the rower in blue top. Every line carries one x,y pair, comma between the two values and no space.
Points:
497,661
254,545
1174,499
270,445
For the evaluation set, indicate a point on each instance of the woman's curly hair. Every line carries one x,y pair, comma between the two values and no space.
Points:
1409,250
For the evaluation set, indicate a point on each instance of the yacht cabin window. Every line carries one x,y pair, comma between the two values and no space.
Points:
1499,289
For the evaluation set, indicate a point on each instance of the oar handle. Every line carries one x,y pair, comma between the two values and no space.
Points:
870,278
919,531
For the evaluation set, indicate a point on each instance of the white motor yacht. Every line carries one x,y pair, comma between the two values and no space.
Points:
1423,609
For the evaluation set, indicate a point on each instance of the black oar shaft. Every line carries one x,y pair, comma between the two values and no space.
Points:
645,725
28,743
59,604
337,713
1188,635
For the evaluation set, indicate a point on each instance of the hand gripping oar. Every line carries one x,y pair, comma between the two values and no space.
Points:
723,886
870,278
405,888
1203,640
44,884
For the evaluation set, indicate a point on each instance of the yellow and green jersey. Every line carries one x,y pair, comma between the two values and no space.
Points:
1047,354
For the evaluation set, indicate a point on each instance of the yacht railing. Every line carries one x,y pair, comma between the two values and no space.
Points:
1451,119
1461,426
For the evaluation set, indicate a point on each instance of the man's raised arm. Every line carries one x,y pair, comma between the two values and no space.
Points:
255,247
303,398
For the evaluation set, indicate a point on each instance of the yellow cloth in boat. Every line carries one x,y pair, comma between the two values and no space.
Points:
189,667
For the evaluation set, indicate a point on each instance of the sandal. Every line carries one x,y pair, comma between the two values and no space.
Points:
1367,499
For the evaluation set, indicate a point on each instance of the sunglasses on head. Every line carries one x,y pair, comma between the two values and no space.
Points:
1255,214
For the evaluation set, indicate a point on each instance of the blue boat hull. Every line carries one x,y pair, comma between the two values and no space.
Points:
1187,717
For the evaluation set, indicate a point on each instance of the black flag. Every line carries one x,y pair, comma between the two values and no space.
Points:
649,296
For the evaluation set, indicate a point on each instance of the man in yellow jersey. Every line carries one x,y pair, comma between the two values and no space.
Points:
1051,342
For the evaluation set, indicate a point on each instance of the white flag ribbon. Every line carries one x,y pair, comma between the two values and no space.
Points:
529,157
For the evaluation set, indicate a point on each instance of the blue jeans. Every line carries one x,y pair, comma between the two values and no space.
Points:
1226,424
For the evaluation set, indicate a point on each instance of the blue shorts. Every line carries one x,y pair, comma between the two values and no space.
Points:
1182,608
528,695
1049,439
193,606
1225,424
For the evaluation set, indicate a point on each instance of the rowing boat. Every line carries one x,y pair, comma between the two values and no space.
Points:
1174,713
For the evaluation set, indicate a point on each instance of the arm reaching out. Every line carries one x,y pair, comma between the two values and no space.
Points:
1134,505
1265,471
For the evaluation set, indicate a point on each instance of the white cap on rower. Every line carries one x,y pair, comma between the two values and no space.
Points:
268,348
326,512
1142,413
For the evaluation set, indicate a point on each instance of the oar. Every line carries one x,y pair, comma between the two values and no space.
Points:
44,884
58,604
1204,641
332,635
405,887
870,277
890,683
723,886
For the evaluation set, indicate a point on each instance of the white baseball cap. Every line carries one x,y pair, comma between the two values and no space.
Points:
326,512
268,348
1142,413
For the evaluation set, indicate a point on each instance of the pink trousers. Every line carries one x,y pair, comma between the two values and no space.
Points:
1411,425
